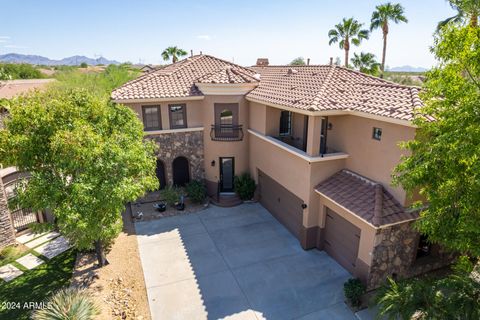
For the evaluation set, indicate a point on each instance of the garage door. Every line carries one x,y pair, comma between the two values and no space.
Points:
282,204
341,240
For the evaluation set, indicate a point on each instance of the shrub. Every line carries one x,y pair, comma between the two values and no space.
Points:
170,195
83,65
245,186
354,289
68,303
196,191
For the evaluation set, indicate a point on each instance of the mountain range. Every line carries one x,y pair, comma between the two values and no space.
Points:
407,69
39,60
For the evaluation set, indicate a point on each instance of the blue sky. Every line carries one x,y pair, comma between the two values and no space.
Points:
138,31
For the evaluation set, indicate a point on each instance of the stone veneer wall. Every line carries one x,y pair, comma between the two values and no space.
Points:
7,234
187,144
395,253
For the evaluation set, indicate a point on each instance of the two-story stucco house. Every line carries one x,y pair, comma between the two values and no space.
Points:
320,142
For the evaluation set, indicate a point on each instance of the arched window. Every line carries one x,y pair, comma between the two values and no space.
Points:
226,117
160,171
181,171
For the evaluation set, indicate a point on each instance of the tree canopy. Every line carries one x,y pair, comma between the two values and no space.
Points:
346,32
300,61
445,158
366,63
13,71
86,157
173,53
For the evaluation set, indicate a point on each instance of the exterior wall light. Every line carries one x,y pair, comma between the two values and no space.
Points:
213,163
304,206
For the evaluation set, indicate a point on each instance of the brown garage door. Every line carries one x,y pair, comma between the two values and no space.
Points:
282,204
341,240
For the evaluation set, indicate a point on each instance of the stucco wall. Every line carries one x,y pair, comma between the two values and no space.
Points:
194,111
369,157
216,149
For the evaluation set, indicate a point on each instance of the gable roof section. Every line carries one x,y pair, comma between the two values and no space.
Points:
334,88
365,198
178,80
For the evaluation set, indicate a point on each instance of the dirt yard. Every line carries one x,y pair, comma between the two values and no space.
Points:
118,287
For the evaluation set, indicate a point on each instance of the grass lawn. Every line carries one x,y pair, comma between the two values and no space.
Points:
36,285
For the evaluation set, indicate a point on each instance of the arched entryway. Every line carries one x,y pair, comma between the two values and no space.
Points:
160,172
181,171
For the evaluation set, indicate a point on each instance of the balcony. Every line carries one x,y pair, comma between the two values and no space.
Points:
226,132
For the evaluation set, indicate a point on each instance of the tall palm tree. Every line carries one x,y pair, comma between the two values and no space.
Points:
346,32
174,53
381,16
366,63
467,10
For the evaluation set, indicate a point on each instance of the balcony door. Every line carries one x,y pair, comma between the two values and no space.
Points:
226,120
227,173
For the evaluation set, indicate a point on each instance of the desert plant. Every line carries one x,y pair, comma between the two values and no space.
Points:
83,65
170,195
245,186
354,289
174,53
68,304
349,31
196,191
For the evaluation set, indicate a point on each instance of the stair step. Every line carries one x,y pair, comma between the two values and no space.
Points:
226,200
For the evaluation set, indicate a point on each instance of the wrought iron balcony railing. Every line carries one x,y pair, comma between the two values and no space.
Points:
226,132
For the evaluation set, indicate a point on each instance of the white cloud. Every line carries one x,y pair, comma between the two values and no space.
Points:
204,37
4,37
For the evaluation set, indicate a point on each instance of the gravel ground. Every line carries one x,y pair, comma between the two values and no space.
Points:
118,287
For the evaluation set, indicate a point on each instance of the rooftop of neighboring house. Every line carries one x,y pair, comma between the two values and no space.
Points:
12,88
310,88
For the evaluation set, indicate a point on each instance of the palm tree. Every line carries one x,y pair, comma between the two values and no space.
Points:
381,16
366,63
174,53
349,30
466,10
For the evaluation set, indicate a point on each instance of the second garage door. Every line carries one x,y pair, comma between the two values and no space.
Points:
282,204
341,240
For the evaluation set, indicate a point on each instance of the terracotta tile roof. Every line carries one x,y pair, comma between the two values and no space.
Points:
365,198
229,74
325,87
178,80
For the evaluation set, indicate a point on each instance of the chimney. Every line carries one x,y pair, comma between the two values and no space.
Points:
191,53
378,208
201,53
308,61
262,62
331,61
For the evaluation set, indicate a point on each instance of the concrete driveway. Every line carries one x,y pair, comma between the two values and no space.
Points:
236,263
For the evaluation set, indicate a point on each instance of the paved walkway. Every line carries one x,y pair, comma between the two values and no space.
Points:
236,263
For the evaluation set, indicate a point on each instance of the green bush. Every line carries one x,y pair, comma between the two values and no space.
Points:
12,71
245,186
68,303
170,195
83,65
354,289
196,191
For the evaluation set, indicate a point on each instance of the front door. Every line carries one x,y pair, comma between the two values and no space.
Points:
227,170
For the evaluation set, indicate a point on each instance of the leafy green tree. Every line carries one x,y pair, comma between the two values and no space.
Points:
173,53
87,158
346,32
13,71
101,83
444,162
380,18
467,10
444,166
300,61
366,63
83,65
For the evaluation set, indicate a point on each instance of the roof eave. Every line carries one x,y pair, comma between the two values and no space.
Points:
163,99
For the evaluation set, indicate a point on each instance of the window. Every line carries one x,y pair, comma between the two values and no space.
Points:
377,134
424,247
151,118
178,116
285,123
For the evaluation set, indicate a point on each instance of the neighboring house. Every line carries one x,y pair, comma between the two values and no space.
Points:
320,142
147,68
13,222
